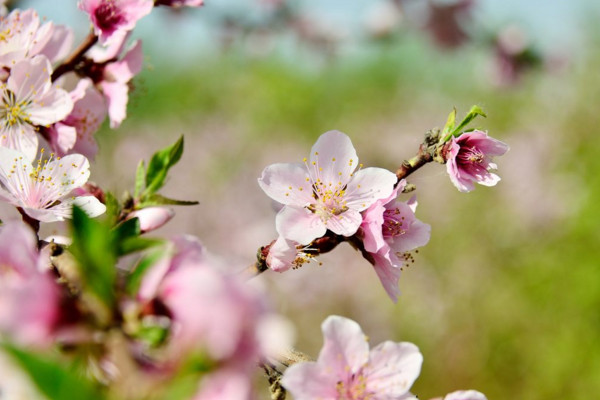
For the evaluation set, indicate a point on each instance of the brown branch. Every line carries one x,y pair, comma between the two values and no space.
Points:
70,63
410,166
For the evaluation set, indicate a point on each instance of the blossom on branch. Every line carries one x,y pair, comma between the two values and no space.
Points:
112,19
468,159
45,192
22,36
28,101
389,232
347,370
325,192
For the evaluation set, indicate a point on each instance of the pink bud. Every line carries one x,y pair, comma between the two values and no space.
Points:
152,218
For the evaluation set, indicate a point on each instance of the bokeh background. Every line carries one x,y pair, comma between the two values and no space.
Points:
505,299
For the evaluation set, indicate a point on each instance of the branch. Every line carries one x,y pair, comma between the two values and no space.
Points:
70,63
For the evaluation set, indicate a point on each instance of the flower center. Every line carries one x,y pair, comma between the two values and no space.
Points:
393,223
5,35
355,389
108,15
330,199
11,111
471,155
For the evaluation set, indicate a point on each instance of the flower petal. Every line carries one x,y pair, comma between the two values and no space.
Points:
346,223
299,224
345,350
369,185
393,368
465,395
333,158
287,183
309,381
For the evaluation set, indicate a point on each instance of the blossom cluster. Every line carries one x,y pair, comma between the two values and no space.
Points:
176,311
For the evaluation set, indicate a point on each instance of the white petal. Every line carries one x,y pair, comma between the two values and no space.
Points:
346,223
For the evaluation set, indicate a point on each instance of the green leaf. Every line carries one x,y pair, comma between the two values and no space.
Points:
160,200
127,229
53,379
147,261
159,166
95,251
140,178
134,244
471,115
450,122
113,208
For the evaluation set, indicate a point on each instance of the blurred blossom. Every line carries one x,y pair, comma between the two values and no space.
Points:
513,56
324,192
30,100
346,369
3,8
152,218
468,159
112,19
390,231
445,22
29,297
212,313
75,133
383,19
465,395
45,192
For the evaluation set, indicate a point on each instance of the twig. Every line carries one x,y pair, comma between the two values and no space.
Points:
70,63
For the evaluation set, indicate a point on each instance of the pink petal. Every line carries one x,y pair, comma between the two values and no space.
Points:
62,138
287,183
59,45
21,138
310,381
131,64
345,350
369,185
299,224
393,368
388,273
334,154
282,254
116,94
346,223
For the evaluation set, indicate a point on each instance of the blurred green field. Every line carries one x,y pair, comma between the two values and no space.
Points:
506,297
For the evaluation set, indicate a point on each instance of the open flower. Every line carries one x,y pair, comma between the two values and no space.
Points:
112,19
44,192
389,232
22,36
347,370
325,192
468,159
29,100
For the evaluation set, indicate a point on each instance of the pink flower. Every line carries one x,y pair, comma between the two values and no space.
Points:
152,218
210,311
326,192
347,370
29,100
45,192
75,134
389,231
468,159
29,297
112,19
285,254
113,77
